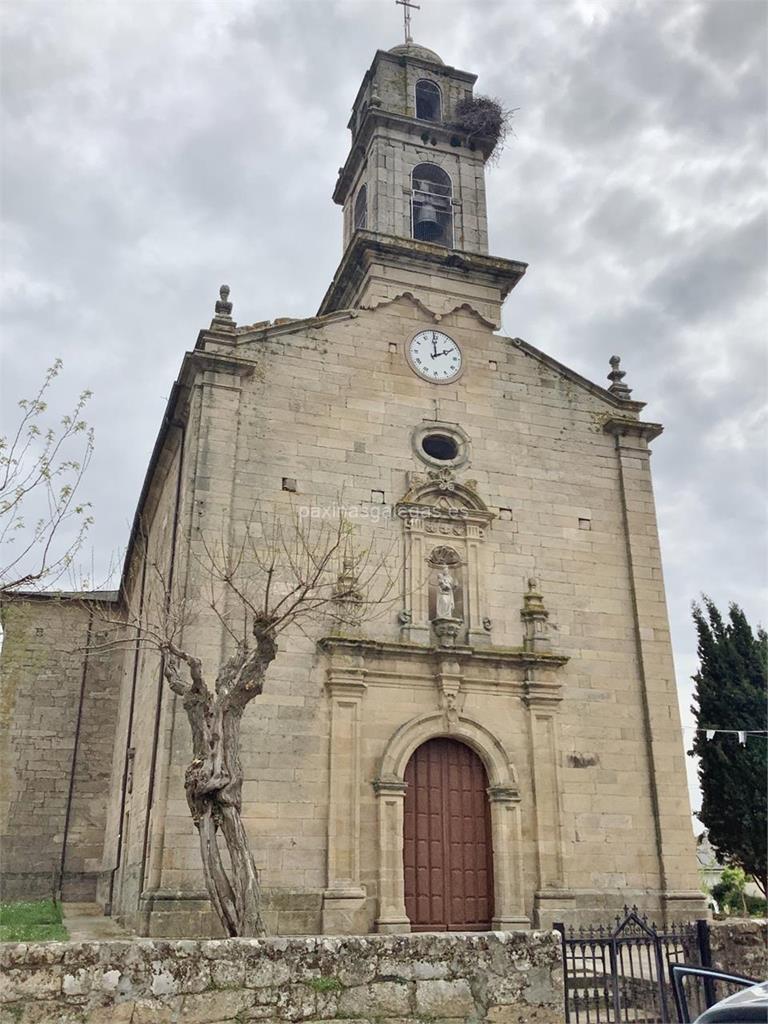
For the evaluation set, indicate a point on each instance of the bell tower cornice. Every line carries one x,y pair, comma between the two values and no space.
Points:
372,263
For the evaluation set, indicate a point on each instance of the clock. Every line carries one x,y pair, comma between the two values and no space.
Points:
434,356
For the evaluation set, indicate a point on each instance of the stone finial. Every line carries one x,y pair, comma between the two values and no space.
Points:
223,306
616,377
534,616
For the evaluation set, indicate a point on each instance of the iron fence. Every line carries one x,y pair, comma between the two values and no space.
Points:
622,972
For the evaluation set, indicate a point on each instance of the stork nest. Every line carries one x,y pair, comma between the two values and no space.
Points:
486,121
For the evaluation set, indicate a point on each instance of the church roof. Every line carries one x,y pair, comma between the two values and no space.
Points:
414,50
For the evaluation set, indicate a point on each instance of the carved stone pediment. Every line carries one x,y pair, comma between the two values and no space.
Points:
437,309
438,495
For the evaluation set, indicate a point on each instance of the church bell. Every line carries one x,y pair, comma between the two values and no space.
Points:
427,226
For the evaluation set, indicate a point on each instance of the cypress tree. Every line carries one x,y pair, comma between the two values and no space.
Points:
731,690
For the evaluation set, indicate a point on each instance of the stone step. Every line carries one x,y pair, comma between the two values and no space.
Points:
86,921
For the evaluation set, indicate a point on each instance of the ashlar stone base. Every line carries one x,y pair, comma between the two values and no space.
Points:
593,906
188,915
345,912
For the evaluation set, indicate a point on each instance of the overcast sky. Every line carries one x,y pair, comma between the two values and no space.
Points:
153,150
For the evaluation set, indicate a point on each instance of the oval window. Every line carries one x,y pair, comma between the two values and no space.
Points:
440,446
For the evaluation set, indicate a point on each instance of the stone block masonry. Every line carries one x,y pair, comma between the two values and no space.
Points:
58,709
500,977
740,946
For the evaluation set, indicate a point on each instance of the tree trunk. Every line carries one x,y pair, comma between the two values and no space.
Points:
245,875
216,881
214,783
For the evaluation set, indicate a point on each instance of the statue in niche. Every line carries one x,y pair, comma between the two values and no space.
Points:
446,585
446,601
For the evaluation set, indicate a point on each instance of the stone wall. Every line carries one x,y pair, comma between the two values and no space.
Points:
507,978
740,947
57,723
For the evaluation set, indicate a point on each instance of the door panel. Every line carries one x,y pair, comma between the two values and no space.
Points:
447,855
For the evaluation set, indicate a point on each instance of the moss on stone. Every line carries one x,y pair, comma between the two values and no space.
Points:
323,984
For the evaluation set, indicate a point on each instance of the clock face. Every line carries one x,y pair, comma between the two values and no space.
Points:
434,356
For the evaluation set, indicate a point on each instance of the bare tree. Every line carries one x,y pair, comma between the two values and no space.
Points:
264,584
42,522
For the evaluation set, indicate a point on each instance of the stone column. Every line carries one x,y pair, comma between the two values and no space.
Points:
669,791
344,898
392,918
508,896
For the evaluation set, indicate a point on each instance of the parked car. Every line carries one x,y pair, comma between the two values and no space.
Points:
747,1006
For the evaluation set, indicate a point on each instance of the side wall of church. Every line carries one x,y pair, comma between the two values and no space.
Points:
138,765
58,713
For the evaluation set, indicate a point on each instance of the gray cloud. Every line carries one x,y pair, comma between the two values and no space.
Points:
733,33
720,270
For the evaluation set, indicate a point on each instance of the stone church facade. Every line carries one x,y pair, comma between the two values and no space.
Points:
502,747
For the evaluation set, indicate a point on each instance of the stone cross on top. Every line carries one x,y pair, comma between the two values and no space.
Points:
406,5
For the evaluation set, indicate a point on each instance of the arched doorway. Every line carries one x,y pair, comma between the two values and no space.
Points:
447,851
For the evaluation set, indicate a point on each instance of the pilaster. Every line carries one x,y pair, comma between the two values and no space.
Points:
344,897
669,791
477,634
508,893
415,618
542,702
392,919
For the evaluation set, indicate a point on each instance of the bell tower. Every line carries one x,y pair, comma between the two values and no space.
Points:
411,172
413,191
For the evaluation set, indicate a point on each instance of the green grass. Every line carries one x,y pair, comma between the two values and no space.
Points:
31,921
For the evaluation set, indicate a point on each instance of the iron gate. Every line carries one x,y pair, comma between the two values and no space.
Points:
620,973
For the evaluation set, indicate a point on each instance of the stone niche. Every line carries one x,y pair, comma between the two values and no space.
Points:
445,524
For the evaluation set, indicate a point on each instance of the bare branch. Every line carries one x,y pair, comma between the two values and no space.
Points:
41,470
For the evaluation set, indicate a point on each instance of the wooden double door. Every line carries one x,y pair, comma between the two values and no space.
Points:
447,851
